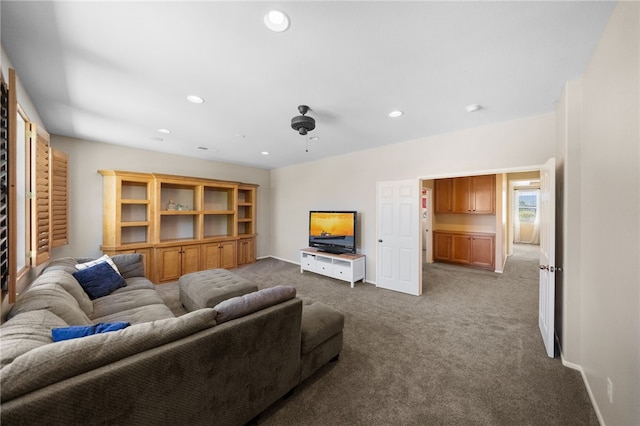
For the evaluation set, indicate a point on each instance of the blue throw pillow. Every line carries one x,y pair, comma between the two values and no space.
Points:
99,280
76,331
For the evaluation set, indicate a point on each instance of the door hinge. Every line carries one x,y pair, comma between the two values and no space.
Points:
32,254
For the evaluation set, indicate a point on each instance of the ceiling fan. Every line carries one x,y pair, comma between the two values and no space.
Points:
303,123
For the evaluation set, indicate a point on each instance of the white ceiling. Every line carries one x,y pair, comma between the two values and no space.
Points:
115,72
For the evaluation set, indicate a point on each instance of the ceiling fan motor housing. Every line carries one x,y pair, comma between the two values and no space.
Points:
301,123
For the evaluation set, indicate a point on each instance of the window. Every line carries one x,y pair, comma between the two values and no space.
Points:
527,206
34,198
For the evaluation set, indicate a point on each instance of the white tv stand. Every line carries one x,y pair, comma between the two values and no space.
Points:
346,267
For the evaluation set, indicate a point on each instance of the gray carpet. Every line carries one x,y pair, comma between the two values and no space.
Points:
467,352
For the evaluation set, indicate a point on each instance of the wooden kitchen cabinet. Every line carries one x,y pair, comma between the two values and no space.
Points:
483,251
466,195
443,193
441,246
465,248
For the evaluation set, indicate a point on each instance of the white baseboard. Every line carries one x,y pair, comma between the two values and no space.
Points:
579,368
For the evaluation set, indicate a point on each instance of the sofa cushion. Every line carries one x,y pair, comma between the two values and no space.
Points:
25,332
139,315
123,301
99,280
76,331
89,264
135,283
237,307
51,297
130,265
53,363
64,279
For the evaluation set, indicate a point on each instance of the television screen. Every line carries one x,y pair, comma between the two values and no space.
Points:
333,232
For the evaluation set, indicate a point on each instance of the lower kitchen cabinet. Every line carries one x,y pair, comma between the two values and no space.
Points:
472,249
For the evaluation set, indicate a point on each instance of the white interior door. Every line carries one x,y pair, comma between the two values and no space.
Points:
398,227
547,254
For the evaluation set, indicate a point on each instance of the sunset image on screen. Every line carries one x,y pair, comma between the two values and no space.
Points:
331,224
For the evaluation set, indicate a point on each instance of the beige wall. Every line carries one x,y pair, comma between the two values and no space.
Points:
599,138
85,192
520,144
23,96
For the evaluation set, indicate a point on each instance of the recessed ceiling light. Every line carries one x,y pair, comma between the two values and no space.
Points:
165,131
239,136
265,153
157,139
474,108
204,148
276,21
395,114
313,138
195,99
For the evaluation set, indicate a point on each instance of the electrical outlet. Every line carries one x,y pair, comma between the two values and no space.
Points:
610,390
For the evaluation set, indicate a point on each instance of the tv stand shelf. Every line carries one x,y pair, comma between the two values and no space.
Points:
345,267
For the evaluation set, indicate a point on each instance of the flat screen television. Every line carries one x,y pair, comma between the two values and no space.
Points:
333,231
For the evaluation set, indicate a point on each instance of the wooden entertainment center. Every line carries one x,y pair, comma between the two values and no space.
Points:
345,267
180,224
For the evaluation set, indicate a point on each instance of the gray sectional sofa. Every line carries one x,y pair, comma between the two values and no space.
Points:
218,365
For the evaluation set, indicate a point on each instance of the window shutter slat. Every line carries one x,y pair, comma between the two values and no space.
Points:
59,198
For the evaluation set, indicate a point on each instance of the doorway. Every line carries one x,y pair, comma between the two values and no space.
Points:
512,222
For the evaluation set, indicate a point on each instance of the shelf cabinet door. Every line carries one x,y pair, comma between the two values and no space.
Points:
169,261
484,194
228,255
173,262
246,251
461,248
210,256
219,255
441,246
461,199
190,259
482,251
442,192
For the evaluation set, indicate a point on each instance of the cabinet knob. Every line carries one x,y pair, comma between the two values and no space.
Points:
379,241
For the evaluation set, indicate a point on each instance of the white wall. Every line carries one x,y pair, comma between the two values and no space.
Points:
348,182
85,192
602,166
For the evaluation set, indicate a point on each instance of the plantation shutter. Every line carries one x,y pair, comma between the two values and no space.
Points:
40,201
59,198
4,187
